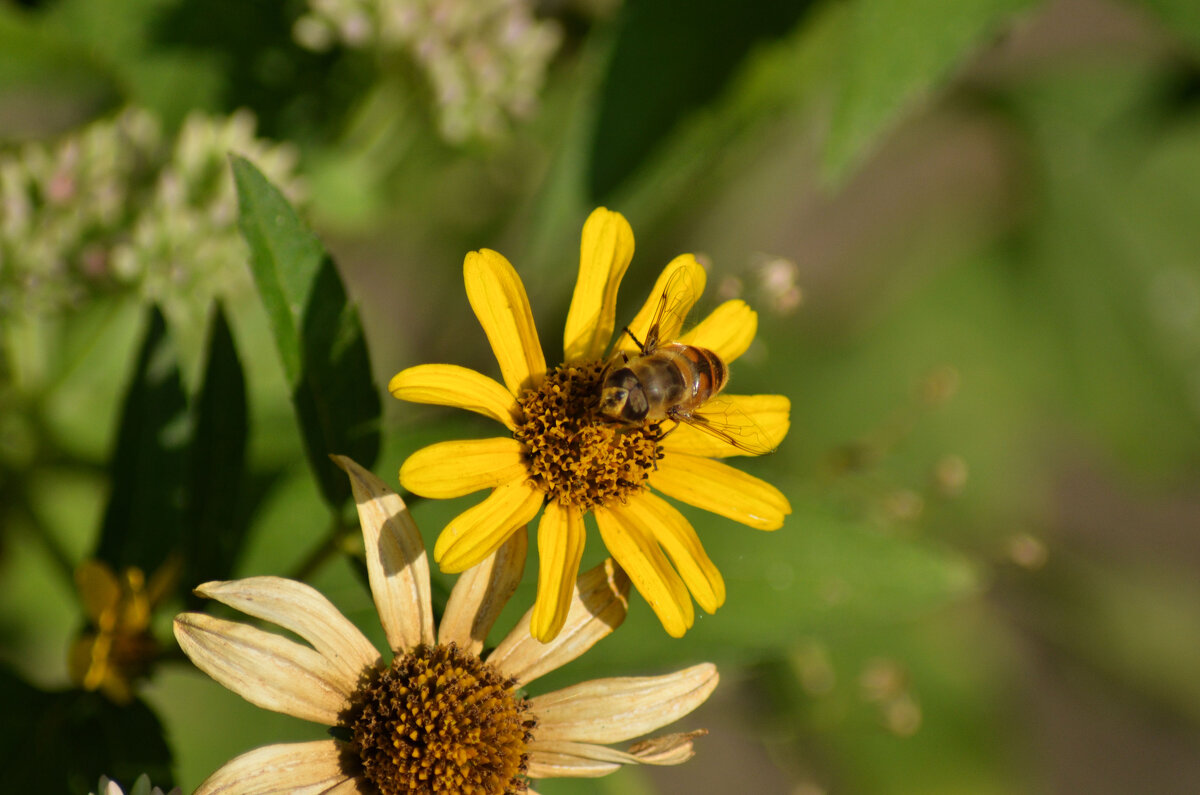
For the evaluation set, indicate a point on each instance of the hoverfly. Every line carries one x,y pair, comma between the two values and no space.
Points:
670,380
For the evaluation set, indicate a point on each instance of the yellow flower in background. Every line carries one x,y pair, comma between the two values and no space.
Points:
117,647
563,455
439,718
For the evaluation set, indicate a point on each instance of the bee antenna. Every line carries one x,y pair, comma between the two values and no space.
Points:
636,341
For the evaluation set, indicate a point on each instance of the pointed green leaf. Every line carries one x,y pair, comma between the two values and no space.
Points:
145,509
316,330
214,525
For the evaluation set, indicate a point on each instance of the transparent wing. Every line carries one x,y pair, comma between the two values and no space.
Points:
724,421
661,320
677,299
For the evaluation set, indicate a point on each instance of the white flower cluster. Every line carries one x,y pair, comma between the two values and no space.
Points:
485,59
117,205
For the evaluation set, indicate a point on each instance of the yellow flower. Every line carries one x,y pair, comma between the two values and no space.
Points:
117,648
438,718
563,455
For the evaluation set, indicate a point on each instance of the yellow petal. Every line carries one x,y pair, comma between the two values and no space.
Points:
481,593
649,570
267,670
619,709
677,538
314,766
604,255
479,531
682,291
598,606
460,387
452,469
758,423
560,536
499,300
397,566
720,488
727,331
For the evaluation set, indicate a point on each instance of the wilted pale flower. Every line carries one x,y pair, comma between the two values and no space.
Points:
485,59
440,717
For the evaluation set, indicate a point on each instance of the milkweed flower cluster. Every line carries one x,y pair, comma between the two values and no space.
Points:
485,60
120,205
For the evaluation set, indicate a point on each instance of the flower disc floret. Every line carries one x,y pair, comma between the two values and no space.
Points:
439,720
578,458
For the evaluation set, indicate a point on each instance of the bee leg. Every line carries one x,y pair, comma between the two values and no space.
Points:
662,435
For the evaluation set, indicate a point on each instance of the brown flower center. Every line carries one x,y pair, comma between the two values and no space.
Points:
441,721
576,456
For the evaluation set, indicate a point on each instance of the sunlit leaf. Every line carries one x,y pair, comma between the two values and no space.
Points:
317,331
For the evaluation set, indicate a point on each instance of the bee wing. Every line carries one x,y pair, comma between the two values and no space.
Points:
723,420
661,319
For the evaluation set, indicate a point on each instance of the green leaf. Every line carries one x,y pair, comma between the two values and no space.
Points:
145,510
897,51
216,487
317,332
63,741
671,58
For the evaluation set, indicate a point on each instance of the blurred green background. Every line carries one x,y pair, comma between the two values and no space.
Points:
971,229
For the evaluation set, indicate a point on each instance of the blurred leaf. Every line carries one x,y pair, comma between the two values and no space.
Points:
1136,624
822,572
1114,247
41,69
1182,16
145,510
916,708
897,51
258,65
62,742
214,529
119,35
671,58
317,332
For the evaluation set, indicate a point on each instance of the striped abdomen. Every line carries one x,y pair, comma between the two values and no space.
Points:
673,379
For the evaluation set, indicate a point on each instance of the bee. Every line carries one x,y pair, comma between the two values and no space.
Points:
668,380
